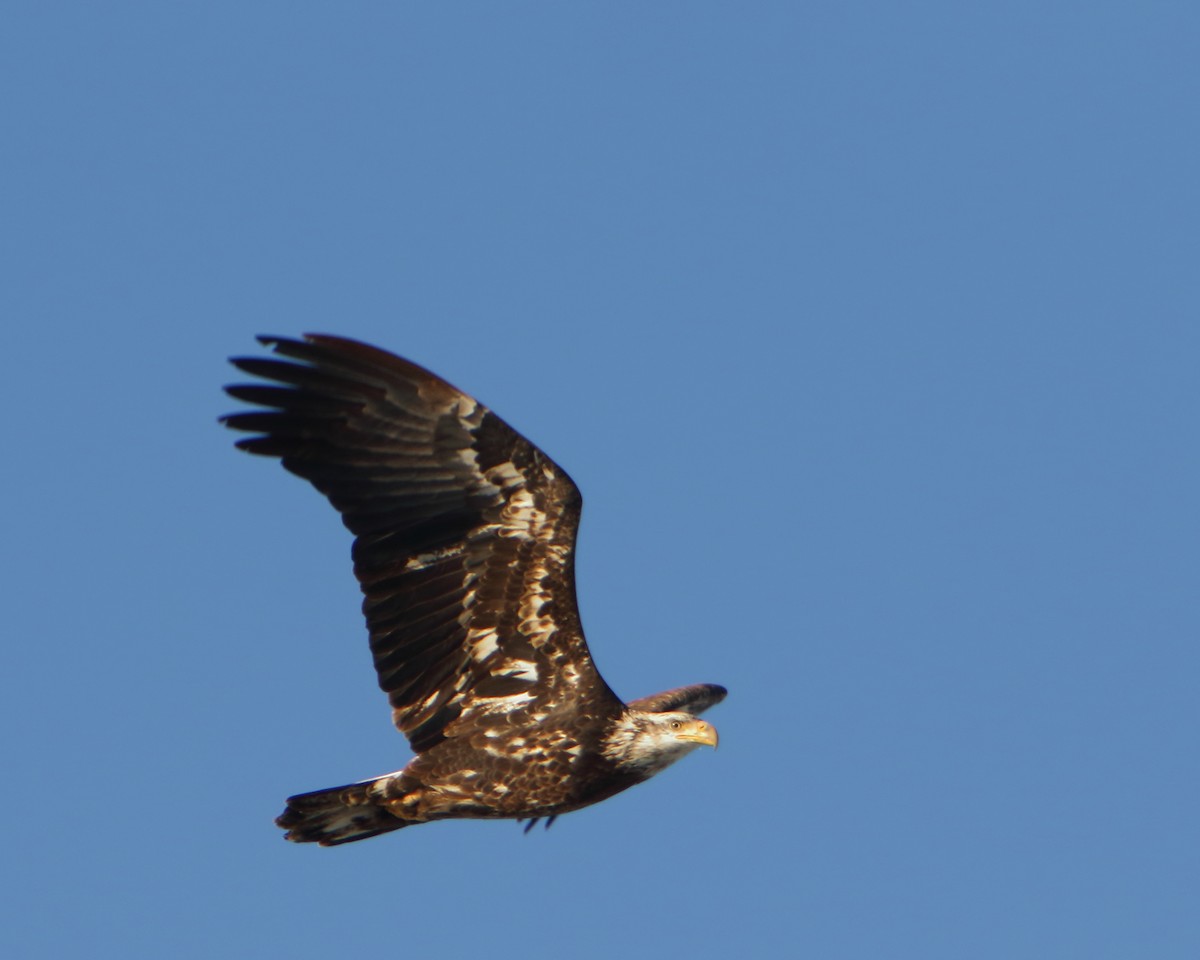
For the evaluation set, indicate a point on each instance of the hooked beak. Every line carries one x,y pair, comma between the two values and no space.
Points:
699,731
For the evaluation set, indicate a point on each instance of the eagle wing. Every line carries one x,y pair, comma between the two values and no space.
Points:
464,532
694,699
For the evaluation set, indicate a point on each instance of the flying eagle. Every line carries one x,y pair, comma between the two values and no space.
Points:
464,546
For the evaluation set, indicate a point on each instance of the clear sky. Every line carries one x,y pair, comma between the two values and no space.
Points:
871,333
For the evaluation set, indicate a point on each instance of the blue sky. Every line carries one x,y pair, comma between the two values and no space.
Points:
870,333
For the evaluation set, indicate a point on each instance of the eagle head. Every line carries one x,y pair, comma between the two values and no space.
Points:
647,742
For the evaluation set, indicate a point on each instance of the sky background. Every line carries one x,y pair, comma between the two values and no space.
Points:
870,332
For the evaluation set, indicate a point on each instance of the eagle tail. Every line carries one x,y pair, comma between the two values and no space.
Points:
339,814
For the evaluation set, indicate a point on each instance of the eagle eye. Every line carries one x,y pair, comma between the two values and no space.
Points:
676,725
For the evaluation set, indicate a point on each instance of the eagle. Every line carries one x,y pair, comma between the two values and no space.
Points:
464,547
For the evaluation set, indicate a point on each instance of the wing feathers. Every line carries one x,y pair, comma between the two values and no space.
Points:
465,531
694,699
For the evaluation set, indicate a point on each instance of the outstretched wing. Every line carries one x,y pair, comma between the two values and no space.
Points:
464,531
694,699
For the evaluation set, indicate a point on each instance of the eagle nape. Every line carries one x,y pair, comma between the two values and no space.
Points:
464,546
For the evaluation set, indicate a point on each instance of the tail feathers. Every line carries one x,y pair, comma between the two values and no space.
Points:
339,814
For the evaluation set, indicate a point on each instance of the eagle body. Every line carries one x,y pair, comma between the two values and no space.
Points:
541,771
464,549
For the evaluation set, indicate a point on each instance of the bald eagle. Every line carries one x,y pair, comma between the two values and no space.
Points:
464,546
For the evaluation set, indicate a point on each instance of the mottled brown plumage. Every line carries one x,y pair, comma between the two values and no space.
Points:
464,548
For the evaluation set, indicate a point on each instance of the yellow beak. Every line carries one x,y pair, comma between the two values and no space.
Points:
698,731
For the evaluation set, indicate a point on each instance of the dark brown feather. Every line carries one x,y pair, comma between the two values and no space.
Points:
465,532
694,699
